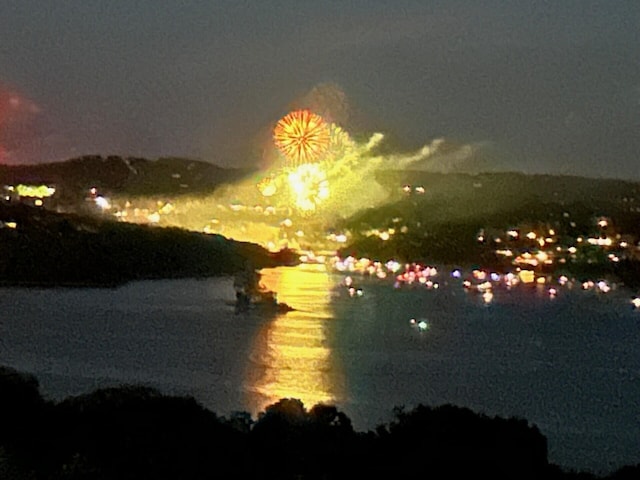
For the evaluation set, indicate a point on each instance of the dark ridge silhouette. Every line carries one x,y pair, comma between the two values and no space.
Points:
51,249
132,175
135,432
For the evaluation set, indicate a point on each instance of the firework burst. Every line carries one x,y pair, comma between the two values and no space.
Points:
302,136
309,186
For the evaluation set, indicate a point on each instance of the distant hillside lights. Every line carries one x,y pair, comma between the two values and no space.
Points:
30,194
536,249
409,189
128,212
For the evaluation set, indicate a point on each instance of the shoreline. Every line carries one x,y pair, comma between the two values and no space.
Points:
35,284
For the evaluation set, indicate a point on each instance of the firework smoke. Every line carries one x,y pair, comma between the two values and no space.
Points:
294,204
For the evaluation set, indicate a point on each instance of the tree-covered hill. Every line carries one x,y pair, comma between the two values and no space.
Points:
39,247
441,217
127,175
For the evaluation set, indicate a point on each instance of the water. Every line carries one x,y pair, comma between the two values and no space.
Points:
569,365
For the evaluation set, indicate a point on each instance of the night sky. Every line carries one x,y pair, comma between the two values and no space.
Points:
533,86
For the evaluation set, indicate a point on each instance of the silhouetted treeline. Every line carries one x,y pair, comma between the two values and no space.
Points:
47,248
135,432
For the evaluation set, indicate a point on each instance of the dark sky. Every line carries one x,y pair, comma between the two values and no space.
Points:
534,86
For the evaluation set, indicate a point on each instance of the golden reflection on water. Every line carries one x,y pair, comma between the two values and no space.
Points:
291,355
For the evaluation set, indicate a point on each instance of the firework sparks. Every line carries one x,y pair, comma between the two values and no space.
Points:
302,137
310,186
267,186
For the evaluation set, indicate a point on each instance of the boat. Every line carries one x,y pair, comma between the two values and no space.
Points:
252,295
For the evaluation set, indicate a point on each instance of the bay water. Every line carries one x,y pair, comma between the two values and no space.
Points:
569,363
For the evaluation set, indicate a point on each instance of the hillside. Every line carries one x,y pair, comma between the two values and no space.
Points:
464,219
44,248
426,216
137,176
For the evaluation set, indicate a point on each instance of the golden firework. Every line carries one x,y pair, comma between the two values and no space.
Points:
302,136
267,186
309,186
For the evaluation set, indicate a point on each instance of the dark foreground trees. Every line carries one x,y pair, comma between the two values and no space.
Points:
135,432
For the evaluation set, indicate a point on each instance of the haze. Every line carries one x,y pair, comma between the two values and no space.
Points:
532,86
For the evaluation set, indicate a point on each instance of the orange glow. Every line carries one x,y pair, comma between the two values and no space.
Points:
302,137
291,357
14,108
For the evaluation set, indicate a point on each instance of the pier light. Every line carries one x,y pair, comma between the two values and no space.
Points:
487,296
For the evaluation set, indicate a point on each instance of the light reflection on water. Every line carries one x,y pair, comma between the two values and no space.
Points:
291,355
568,364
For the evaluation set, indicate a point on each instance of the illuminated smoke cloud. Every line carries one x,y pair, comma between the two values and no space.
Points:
295,201
329,101
444,156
